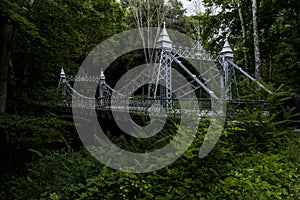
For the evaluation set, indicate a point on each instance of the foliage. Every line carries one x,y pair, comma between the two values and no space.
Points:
262,177
16,15
53,173
20,131
256,158
261,125
278,24
67,31
154,12
225,175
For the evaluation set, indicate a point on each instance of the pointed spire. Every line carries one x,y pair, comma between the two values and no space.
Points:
62,73
164,41
102,76
227,51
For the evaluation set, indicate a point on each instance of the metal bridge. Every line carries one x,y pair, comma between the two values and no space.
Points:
214,81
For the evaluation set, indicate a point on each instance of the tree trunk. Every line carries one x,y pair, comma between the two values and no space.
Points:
270,67
6,38
256,40
244,34
197,6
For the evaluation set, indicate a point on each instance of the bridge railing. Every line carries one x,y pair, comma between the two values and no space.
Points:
146,105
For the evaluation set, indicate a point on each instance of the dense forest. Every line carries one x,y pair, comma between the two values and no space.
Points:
257,156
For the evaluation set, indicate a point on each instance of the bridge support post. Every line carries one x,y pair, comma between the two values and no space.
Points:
228,71
62,80
161,76
101,84
102,90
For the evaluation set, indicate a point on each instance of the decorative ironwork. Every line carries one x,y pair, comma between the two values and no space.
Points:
159,80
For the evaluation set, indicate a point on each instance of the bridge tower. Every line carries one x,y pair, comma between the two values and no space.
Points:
161,77
228,71
62,81
101,85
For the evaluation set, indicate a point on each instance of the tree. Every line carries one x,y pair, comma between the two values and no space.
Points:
256,41
243,26
280,33
175,16
9,14
146,14
152,13
197,6
7,32
51,35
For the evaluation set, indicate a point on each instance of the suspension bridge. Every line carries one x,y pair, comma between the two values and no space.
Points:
213,81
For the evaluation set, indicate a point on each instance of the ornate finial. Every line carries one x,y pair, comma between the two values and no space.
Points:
102,76
164,41
62,73
227,51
